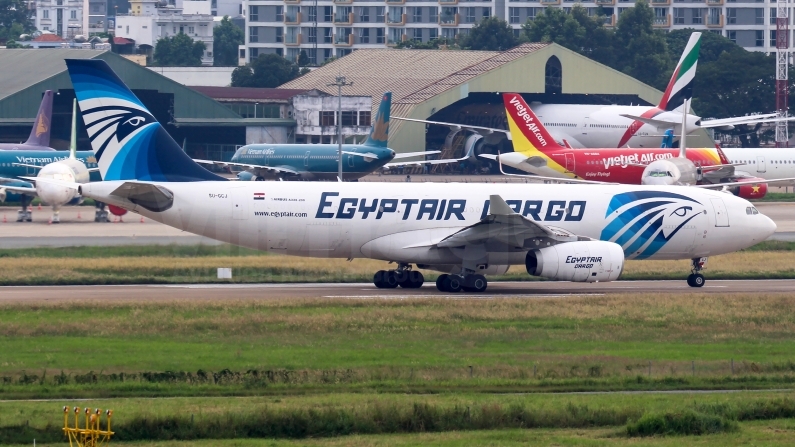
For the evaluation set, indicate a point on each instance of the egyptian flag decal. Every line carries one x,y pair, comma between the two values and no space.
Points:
259,196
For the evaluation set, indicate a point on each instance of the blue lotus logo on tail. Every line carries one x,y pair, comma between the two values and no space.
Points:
643,222
128,141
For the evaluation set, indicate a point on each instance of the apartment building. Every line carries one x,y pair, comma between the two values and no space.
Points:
149,21
334,28
63,18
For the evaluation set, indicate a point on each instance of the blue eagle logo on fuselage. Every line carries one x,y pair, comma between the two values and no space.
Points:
643,222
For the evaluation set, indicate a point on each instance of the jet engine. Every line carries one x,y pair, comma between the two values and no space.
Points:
582,261
69,170
670,171
749,192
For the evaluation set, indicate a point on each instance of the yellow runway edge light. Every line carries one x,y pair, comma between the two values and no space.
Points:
90,435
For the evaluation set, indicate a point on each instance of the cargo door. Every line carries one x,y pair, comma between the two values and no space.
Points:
721,215
760,164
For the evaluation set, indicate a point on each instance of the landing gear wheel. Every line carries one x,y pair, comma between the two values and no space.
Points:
385,279
411,279
440,282
453,283
696,280
378,279
475,283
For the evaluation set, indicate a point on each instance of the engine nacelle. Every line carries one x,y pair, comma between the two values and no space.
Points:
670,171
583,261
750,191
69,170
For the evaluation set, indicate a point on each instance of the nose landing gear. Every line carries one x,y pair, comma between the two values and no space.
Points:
403,276
696,279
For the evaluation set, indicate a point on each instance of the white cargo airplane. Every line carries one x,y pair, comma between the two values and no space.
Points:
561,232
604,126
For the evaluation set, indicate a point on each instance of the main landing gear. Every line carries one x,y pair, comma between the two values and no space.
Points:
403,276
457,283
25,215
696,279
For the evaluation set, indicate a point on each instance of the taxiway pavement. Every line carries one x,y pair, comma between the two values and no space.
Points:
231,292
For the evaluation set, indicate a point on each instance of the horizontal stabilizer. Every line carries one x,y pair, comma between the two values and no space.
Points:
659,124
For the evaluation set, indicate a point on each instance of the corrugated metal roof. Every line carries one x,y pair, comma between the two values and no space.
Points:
403,72
20,69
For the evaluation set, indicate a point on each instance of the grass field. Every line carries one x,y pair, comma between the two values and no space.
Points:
198,264
284,347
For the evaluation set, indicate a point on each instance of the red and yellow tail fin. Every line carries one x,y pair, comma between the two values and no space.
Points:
529,136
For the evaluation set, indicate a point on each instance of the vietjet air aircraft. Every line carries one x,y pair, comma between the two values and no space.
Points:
563,232
536,152
604,126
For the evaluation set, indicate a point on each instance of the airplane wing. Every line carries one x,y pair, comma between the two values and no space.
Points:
21,190
746,182
751,119
556,179
224,164
415,154
453,126
503,227
27,165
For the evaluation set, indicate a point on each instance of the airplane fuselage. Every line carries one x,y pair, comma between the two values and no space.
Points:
588,126
316,161
382,221
9,169
624,165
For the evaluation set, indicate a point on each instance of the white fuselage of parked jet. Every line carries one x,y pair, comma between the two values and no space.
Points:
589,126
765,163
383,221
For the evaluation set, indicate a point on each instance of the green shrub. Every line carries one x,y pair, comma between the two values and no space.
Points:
686,422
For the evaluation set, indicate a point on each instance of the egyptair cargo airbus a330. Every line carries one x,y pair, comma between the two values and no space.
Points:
562,232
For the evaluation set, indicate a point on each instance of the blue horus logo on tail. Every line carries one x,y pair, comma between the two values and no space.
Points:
643,222
128,141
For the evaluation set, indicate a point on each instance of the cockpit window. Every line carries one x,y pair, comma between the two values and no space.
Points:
660,174
755,211
751,210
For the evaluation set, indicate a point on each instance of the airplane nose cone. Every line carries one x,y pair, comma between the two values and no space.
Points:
391,153
769,227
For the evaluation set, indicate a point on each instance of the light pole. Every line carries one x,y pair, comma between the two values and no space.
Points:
339,82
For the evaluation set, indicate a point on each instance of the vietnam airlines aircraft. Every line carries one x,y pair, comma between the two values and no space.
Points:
536,152
39,139
613,126
561,232
319,161
70,169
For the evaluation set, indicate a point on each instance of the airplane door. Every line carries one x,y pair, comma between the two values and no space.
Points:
240,201
760,164
306,160
721,215
350,160
569,162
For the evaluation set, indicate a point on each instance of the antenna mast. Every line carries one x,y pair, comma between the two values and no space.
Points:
782,78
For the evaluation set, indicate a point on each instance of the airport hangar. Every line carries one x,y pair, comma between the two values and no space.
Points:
208,128
462,87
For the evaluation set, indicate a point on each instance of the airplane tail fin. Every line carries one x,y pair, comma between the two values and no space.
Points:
379,132
127,140
680,87
527,132
40,134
